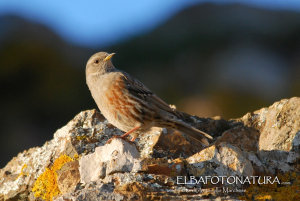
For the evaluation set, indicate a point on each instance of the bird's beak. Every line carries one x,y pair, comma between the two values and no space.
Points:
109,56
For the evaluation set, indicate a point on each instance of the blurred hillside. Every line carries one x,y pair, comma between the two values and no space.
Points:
207,60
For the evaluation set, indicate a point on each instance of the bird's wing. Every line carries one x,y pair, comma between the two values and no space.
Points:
139,90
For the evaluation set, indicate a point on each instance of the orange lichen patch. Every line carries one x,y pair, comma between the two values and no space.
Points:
263,197
46,184
80,137
288,189
76,157
22,171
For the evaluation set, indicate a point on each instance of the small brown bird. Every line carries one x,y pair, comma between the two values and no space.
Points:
128,104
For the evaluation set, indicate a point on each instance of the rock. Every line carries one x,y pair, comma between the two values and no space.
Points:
163,164
133,191
168,168
173,144
27,166
244,138
233,161
68,177
92,167
222,160
117,156
278,125
279,128
280,160
80,136
93,192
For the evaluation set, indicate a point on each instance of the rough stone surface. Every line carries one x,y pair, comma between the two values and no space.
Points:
68,177
93,192
279,128
167,167
222,160
23,170
117,156
79,137
263,143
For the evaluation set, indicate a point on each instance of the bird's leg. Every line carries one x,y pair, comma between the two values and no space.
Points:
125,135
132,130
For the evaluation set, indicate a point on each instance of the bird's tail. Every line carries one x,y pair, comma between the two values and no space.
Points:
193,132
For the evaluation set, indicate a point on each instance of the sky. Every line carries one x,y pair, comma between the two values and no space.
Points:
94,22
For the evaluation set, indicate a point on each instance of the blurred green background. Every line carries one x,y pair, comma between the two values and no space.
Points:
207,59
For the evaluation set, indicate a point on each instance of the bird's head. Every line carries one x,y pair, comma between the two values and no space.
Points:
100,63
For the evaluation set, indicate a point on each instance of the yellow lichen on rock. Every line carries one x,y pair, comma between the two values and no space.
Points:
76,157
46,184
288,189
80,137
22,171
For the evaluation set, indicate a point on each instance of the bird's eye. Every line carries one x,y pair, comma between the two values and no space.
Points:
96,61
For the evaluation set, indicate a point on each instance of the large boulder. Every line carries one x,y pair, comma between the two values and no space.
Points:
260,148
